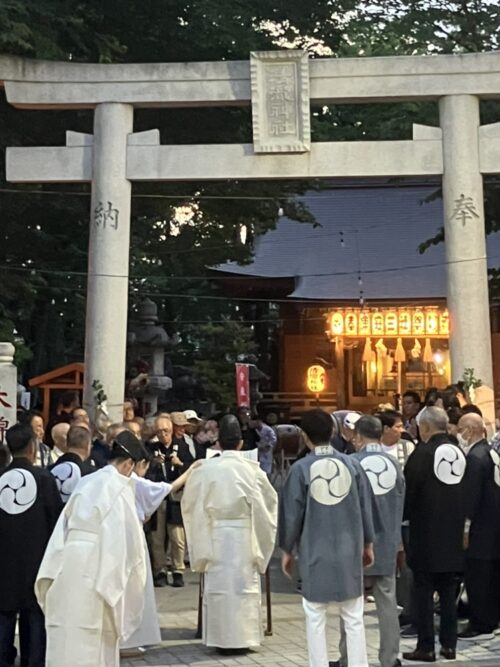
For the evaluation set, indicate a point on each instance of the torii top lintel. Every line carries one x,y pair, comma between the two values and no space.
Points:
44,84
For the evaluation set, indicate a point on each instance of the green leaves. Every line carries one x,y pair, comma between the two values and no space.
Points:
46,236
212,349
56,29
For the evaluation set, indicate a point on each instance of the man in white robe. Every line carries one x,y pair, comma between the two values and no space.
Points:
230,516
148,496
91,581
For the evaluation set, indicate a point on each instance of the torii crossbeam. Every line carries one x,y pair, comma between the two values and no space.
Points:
280,87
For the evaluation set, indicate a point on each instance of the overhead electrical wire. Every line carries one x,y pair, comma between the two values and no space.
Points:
236,276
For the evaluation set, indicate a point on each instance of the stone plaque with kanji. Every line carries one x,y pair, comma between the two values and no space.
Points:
280,101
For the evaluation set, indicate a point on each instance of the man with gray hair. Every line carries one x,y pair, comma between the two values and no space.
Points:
482,529
59,435
435,508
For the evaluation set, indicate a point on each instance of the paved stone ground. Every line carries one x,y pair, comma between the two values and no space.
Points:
287,646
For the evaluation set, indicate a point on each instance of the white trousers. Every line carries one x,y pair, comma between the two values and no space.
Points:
384,592
351,613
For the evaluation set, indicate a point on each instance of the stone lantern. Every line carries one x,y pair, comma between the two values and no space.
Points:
147,343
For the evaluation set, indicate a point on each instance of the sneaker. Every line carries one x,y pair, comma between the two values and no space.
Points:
409,632
469,634
370,598
178,581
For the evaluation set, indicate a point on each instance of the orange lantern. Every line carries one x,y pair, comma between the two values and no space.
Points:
418,323
351,324
377,324
337,323
432,322
444,323
391,323
316,379
404,323
364,328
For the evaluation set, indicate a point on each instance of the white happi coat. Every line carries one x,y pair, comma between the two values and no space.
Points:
230,516
91,581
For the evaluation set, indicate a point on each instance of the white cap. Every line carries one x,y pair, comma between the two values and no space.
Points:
191,415
350,420
419,415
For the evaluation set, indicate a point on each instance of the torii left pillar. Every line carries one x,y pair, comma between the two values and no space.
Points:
108,268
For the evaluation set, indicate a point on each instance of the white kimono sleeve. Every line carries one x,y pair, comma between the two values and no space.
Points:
52,561
149,496
265,520
122,567
197,522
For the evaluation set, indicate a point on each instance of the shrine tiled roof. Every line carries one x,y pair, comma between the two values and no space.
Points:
366,240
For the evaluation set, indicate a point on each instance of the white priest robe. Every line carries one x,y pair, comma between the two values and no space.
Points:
148,496
230,516
91,581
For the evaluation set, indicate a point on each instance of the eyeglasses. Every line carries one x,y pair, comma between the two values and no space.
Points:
165,431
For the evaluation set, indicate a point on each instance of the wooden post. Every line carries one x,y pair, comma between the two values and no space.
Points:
199,629
269,627
46,404
340,364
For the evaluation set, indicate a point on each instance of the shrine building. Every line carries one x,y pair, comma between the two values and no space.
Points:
356,296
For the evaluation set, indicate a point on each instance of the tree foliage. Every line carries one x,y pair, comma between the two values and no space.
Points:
433,26
212,349
43,254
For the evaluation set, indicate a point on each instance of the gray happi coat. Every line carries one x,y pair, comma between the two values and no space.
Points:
388,486
326,512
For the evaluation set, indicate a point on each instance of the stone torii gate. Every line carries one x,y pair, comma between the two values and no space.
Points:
280,86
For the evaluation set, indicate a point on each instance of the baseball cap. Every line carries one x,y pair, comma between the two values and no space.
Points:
179,419
191,415
419,415
350,420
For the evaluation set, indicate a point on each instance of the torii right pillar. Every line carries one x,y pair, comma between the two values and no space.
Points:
465,238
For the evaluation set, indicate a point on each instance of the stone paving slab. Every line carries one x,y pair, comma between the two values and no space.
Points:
177,608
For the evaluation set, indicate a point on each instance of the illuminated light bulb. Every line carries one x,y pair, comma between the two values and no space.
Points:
438,358
243,234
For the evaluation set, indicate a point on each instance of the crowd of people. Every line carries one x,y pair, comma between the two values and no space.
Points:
390,506
447,528
83,501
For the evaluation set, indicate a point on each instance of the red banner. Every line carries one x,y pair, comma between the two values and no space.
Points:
242,386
